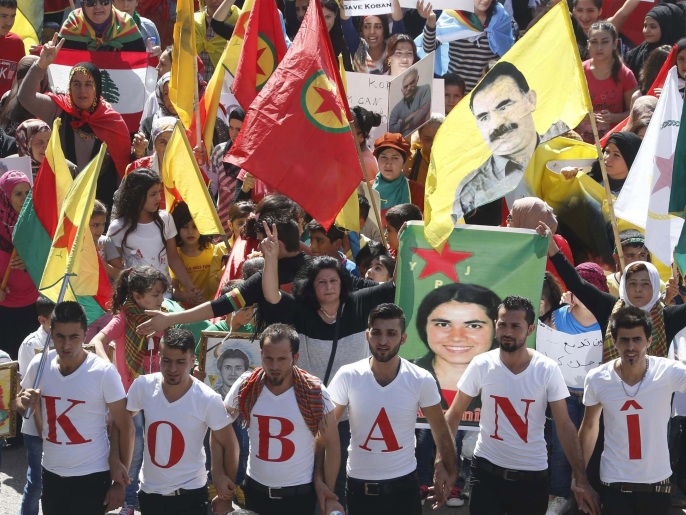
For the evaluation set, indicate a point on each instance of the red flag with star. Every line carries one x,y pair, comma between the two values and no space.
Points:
296,136
263,49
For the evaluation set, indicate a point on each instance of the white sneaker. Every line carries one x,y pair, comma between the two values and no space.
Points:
558,506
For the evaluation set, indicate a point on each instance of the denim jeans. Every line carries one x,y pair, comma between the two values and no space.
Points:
425,451
32,489
131,495
559,468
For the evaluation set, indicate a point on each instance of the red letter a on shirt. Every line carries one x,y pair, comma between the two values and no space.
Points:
63,420
387,434
519,425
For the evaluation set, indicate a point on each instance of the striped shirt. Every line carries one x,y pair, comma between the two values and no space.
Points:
467,57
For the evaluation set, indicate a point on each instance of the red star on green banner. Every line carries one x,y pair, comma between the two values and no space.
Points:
442,262
66,240
328,103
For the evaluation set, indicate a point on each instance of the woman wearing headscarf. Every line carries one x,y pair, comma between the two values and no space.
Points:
527,213
391,152
99,26
619,154
639,287
664,25
18,300
165,108
32,140
12,113
87,120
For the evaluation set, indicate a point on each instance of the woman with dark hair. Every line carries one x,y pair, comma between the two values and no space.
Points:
650,70
402,54
87,119
364,122
456,323
619,154
98,26
330,320
663,25
551,295
332,18
32,140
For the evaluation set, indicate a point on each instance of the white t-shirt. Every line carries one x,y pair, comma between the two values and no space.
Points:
382,418
281,444
144,246
27,351
174,454
74,411
635,427
513,408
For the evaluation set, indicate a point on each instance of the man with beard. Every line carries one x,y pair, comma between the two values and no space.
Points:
516,384
414,108
383,394
294,449
503,105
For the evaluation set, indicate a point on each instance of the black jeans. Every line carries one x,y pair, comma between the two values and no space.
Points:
259,502
494,495
77,494
615,502
403,500
193,502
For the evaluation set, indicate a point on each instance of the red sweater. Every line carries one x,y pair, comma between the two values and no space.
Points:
11,51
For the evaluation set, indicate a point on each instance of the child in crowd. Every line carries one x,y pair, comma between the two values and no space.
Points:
329,243
201,259
103,244
143,233
367,253
137,289
238,217
395,218
33,442
380,269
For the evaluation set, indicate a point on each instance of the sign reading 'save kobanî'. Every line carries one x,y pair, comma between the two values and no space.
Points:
440,5
364,7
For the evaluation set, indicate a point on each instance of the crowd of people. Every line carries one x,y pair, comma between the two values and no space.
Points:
325,417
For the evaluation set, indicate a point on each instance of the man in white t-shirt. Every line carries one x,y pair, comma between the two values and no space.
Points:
294,448
383,395
516,384
78,391
634,393
178,409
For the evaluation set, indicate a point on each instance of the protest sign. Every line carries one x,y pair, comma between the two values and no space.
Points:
440,5
20,164
409,97
367,7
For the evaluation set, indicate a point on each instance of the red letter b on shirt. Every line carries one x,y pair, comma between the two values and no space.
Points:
287,446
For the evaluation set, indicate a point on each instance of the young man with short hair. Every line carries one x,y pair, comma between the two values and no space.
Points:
11,45
396,217
634,393
383,395
178,410
516,384
294,447
77,393
329,243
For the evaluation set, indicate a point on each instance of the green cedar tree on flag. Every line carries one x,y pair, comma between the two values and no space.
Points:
263,49
296,136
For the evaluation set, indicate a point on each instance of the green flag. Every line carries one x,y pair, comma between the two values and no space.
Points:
677,195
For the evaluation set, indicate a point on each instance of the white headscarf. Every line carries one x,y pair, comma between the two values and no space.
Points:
654,281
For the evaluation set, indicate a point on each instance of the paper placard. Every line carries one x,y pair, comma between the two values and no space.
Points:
440,5
371,92
418,80
20,164
576,354
364,7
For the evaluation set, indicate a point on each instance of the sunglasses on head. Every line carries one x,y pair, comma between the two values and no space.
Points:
93,3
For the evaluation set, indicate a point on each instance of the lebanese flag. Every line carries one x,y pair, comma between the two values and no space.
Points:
296,136
127,79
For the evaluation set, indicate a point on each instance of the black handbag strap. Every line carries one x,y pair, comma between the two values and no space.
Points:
334,345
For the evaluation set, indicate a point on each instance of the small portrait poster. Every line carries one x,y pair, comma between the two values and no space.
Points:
8,391
224,357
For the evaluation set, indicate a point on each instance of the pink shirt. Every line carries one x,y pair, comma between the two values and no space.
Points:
22,292
11,51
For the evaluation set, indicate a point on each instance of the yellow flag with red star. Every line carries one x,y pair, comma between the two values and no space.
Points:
73,251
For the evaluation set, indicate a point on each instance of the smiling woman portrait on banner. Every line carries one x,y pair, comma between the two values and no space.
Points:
482,150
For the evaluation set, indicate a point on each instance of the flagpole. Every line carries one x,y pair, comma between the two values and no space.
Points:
8,270
46,345
608,194
375,208
196,103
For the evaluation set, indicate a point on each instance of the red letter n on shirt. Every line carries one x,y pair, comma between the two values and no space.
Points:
521,426
63,420
287,446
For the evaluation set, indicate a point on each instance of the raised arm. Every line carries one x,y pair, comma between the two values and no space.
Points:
270,247
426,11
623,13
29,95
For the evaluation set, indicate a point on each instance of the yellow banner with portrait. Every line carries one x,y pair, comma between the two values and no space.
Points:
535,93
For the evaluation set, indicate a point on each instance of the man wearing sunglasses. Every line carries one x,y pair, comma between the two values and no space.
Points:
114,30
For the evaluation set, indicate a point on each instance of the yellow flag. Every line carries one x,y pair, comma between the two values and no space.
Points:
183,182
73,251
58,164
349,217
23,28
210,101
536,92
184,83
230,58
